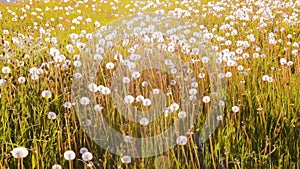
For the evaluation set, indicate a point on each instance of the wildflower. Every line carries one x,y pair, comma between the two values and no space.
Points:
77,75
181,140
221,103
87,156
6,70
51,115
136,74
139,98
283,61
235,109
146,102
110,65
56,166
69,155
228,74
46,94
83,150
19,152
93,87
126,159
265,77
193,91
174,107
54,52
84,101
68,105
205,59
219,118
290,63
201,75
206,99
126,80
182,114
128,99
144,83
155,91
270,79
77,63
21,79
105,90
127,139
144,121
98,107
98,57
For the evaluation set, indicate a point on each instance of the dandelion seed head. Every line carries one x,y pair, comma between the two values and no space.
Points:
87,156
83,150
46,94
5,70
19,152
56,166
144,121
126,159
235,109
84,101
128,99
51,115
146,102
69,155
182,114
206,99
181,140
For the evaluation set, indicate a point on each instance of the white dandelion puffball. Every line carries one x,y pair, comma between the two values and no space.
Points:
93,87
110,65
51,115
139,98
46,94
144,83
193,91
69,155
219,118
265,77
68,105
19,152
206,99
221,103
235,109
146,102
205,59
155,91
83,150
144,121
174,107
135,74
87,156
105,90
127,139
126,159
126,80
201,75
98,107
6,70
84,101
128,99
21,79
182,114
181,140
56,166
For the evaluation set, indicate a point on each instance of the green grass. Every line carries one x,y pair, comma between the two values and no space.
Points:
263,134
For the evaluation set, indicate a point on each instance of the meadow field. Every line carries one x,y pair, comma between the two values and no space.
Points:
45,125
